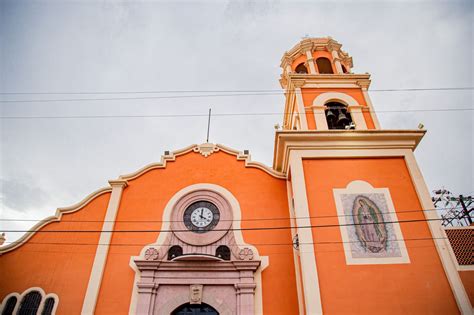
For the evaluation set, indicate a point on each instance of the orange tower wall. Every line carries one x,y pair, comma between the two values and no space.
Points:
419,287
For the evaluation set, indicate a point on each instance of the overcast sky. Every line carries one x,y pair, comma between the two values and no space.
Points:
102,46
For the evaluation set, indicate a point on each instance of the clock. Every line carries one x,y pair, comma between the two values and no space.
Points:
201,216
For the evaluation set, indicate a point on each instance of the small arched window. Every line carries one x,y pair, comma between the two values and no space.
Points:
30,303
48,306
324,65
223,252
174,251
9,305
301,68
337,116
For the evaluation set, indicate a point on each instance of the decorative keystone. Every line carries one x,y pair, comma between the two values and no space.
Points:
206,149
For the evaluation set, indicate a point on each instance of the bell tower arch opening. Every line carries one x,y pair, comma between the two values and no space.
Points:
337,116
301,69
324,65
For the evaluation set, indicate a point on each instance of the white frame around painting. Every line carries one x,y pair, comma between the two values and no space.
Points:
346,223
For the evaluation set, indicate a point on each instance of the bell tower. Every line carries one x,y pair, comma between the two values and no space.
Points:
366,237
321,91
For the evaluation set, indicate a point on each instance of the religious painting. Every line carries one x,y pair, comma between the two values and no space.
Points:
369,227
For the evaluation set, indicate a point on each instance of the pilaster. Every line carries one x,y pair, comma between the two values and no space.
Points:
95,280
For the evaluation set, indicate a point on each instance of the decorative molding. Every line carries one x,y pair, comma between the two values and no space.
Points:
346,141
309,270
56,218
206,149
163,240
171,157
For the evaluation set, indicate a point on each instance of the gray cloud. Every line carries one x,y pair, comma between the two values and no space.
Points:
21,195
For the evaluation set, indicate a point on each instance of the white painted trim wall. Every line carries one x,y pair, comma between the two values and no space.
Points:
311,292
95,280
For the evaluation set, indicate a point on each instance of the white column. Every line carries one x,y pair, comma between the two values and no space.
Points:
357,117
288,68
337,61
95,280
319,113
301,109
310,60
312,295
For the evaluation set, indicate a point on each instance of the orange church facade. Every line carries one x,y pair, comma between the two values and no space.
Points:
341,223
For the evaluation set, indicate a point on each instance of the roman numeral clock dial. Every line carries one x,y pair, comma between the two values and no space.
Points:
201,216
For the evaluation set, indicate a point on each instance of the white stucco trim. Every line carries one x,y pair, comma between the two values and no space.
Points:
311,291
95,279
452,274
319,113
237,215
211,148
56,218
301,109
299,288
424,197
19,297
323,98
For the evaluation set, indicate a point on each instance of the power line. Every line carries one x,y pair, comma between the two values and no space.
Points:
233,220
223,114
231,229
217,245
222,91
226,94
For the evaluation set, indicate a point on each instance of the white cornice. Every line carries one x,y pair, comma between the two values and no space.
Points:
56,218
337,140
312,44
205,150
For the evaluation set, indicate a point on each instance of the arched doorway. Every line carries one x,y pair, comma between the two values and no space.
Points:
195,309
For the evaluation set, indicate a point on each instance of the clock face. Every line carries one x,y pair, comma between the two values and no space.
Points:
201,216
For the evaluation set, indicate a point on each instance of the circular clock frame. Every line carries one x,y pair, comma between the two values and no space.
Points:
207,237
201,216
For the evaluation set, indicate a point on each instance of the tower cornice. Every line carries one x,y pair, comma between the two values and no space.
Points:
325,80
337,140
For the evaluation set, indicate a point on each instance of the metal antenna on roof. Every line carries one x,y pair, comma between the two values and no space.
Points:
208,125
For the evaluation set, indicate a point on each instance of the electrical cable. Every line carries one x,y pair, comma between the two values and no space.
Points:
234,220
225,114
231,229
223,91
281,92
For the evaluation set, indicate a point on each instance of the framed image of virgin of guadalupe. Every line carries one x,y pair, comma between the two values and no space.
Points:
368,225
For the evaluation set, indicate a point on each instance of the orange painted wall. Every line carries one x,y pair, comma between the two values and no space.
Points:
260,196
420,287
467,278
56,268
